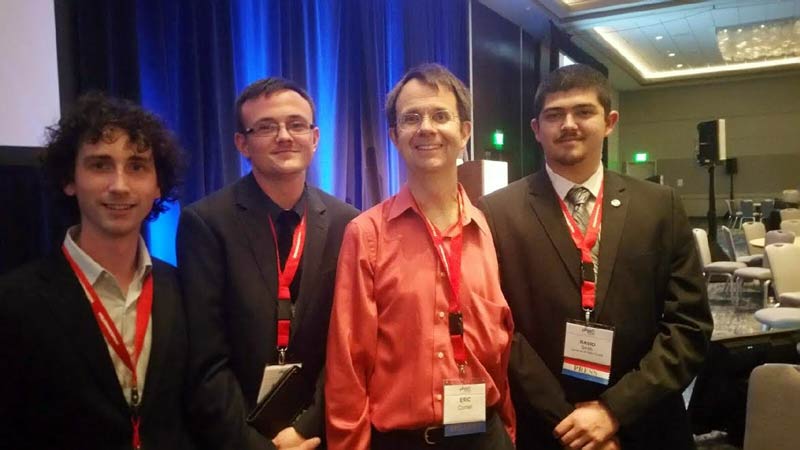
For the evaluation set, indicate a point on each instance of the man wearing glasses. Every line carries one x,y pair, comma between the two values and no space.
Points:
420,331
257,262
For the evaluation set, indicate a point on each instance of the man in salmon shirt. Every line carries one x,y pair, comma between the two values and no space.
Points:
420,332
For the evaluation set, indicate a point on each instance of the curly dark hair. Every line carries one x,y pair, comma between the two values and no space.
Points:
89,121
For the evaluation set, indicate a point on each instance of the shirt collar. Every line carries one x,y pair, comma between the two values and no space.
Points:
91,269
299,208
404,201
563,185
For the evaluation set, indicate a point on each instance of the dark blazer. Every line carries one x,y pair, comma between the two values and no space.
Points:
649,288
226,260
59,389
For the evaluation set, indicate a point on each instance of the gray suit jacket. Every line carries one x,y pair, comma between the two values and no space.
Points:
649,288
226,260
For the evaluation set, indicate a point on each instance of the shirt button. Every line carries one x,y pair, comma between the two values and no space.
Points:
440,355
442,274
439,397
441,314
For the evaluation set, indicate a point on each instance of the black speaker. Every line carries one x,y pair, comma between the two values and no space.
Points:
711,141
731,166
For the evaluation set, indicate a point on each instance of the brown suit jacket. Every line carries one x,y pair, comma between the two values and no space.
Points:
650,289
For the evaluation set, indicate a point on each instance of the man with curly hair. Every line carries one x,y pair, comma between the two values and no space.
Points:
93,339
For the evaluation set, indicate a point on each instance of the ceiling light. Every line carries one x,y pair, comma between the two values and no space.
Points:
755,42
679,66
671,54
658,38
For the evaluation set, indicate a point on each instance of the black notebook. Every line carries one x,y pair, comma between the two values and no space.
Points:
282,403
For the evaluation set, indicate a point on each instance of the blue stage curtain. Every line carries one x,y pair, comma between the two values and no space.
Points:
196,55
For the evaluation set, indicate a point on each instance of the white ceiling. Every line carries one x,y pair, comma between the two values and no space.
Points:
687,31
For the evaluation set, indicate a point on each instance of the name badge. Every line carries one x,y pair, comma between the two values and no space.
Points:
587,351
464,408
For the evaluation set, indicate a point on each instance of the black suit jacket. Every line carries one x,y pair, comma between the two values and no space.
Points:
226,260
650,288
59,389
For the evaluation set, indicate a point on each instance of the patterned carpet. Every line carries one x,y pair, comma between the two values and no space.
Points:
733,316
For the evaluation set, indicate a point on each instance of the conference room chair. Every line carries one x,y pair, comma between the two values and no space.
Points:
748,210
752,273
754,230
792,225
714,268
791,196
767,205
734,215
790,214
773,394
784,261
730,249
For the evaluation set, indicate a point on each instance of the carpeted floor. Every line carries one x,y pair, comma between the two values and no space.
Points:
733,316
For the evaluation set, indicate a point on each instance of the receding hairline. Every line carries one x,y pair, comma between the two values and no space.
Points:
436,86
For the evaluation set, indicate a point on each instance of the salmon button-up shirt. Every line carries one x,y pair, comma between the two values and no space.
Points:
389,348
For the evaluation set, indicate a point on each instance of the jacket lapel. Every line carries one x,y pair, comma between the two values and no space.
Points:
316,234
254,216
162,319
611,233
543,200
72,311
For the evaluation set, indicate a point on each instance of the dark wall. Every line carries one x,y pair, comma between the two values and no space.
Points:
505,67
96,51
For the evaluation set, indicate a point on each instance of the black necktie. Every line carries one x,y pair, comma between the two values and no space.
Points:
286,223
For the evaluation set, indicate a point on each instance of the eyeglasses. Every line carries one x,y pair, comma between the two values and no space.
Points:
295,127
412,121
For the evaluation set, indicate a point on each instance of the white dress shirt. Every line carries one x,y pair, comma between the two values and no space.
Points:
121,307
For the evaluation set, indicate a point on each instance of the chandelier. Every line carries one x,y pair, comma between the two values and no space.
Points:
760,41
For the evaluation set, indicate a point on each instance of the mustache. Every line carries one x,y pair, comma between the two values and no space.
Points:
568,136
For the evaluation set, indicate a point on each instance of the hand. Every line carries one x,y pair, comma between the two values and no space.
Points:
611,444
589,426
289,439
308,444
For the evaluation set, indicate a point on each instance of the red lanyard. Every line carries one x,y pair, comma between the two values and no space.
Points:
112,336
585,243
451,260
285,278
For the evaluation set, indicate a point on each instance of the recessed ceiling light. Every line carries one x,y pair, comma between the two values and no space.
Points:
671,55
739,30
679,66
762,25
658,38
